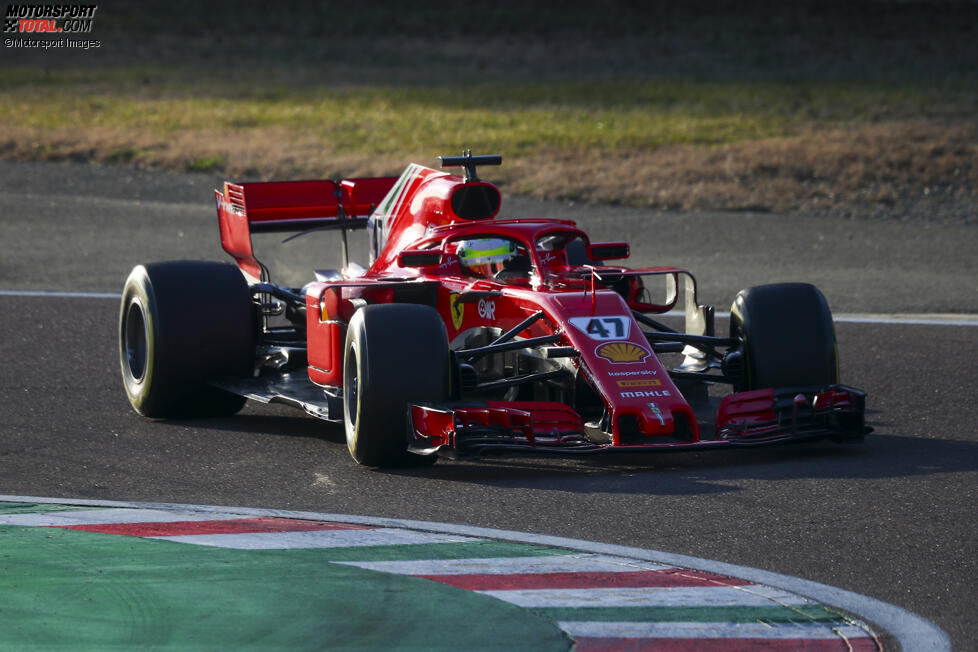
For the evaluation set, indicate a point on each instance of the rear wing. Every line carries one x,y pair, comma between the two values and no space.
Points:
282,206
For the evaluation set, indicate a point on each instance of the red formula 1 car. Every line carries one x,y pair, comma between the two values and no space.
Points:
469,335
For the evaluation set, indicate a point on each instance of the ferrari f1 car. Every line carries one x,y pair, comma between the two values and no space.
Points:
470,335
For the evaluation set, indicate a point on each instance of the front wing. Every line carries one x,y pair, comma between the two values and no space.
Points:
754,418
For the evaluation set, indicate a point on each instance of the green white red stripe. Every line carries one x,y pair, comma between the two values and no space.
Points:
603,602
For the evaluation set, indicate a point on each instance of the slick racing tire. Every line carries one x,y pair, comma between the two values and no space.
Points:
181,324
395,354
788,336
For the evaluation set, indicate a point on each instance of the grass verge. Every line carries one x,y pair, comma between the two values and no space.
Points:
760,145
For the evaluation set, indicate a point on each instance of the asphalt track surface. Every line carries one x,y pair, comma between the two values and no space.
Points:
893,519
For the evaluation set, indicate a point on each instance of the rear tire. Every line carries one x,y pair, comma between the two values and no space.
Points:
395,354
181,324
789,338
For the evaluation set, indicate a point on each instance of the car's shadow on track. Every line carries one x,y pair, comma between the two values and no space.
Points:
287,423
679,473
708,472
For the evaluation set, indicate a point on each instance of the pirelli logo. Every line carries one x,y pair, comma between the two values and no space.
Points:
649,382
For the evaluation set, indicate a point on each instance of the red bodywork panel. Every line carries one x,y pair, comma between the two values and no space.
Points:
324,332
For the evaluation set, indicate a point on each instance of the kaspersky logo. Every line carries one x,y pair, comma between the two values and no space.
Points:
622,352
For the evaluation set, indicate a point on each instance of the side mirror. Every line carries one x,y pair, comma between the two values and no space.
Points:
608,250
646,294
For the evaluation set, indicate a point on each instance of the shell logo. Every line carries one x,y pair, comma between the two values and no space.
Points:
622,352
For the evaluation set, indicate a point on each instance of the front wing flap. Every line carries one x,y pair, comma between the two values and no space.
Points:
792,413
497,426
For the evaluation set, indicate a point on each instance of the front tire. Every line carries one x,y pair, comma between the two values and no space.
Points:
395,354
788,336
181,324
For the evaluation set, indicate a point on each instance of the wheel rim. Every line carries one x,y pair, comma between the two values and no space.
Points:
351,387
135,342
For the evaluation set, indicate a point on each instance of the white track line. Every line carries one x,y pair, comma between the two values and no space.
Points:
107,517
768,631
943,319
509,565
912,320
319,539
911,631
56,294
650,596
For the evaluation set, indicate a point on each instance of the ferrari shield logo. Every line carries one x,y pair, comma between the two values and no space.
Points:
457,310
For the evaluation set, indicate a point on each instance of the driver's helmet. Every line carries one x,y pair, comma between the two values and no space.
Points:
485,257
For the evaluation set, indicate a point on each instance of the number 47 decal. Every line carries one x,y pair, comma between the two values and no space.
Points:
603,328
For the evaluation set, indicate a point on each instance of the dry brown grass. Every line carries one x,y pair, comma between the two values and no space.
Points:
841,170
861,170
